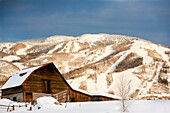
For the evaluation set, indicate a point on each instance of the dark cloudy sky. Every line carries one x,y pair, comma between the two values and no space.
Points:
27,19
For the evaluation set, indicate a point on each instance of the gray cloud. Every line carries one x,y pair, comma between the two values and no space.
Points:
141,19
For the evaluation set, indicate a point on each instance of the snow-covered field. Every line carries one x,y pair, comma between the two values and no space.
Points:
46,105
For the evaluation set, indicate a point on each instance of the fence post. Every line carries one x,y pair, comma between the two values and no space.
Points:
13,107
8,108
31,108
66,105
25,104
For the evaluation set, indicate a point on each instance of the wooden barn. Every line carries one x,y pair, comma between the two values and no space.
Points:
45,80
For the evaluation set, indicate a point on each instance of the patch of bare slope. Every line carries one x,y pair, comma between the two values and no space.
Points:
5,47
158,88
59,49
109,79
131,61
8,68
100,66
155,55
83,85
61,59
83,46
3,78
2,54
37,54
167,52
164,74
39,49
86,57
16,47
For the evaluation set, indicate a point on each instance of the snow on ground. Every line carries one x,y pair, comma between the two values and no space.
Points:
44,101
156,95
158,71
23,50
113,67
75,56
120,54
128,76
20,65
147,84
76,47
5,47
91,38
108,51
76,82
102,83
11,58
65,64
150,77
58,38
68,47
91,86
4,103
135,106
56,47
161,51
137,47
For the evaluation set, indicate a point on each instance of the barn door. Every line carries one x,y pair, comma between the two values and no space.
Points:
46,86
28,97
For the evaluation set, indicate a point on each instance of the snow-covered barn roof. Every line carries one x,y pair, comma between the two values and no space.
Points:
96,94
19,77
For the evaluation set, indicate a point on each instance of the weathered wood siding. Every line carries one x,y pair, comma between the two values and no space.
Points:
11,93
13,90
35,84
75,96
15,97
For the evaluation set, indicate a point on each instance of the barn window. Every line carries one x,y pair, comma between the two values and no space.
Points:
14,99
46,86
22,74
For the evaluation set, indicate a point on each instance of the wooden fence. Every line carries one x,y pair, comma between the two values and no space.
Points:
13,107
61,96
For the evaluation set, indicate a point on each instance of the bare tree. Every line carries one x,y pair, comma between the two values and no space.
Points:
123,88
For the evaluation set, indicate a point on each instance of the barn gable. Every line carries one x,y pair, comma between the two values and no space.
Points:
18,78
45,75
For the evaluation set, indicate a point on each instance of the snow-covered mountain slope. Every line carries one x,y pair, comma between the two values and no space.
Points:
95,62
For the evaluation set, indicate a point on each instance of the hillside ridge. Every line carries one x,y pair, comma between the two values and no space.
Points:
94,62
